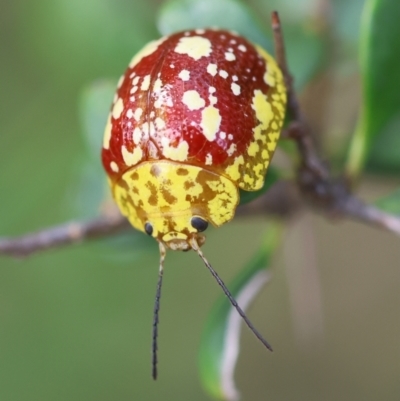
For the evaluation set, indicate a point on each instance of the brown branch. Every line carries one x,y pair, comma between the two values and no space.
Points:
314,183
65,234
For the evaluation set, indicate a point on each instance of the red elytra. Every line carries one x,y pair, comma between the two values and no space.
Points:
168,87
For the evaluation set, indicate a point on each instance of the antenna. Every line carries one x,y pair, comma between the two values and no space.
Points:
157,310
232,300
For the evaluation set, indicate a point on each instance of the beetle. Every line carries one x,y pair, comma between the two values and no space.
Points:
196,117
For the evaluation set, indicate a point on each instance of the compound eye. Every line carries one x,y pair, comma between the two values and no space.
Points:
199,224
148,228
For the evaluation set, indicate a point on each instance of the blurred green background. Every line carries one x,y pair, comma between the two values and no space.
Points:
75,323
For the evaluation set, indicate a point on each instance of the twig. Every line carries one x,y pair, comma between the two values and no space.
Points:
65,234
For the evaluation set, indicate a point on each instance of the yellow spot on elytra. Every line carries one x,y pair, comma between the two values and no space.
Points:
194,46
146,83
212,69
117,109
262,108
107,134
210,122
229,56
233,170
248,180
253,149
160,123
133,158
232,149
193,100
114,167
157,85
184,75
235,89
138,113
137,135
179,153
146,51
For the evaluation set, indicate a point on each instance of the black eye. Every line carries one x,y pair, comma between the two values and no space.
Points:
199,224
148,228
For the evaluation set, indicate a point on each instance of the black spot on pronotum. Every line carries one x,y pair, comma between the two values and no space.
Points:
199,224
148,228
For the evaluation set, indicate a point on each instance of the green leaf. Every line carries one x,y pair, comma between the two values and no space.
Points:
94,107
89,188
219,346
380,78
177,15
306,51
271,178
390,203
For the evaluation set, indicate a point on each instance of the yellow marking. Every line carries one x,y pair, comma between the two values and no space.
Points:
117,109
253,149
235,89
114,167
193,100
138,113
137,135
146,51
210,122
135,80
157,85
248,180
233,170
212,99
131,159
272,74
146,83
184,75
230,56
160,123
262,107
231,150
269,79
194,46
107,133
212,69
265,154
180,153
